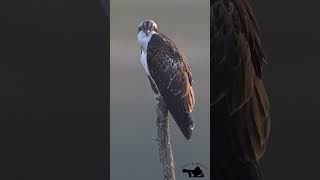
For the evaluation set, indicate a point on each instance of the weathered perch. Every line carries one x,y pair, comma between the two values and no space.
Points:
163,140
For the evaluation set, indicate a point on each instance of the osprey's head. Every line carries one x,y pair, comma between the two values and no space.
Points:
147,27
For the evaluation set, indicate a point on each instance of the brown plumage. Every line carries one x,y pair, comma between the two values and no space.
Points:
173,78
239,102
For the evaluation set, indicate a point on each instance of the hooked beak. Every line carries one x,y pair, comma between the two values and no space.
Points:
147,32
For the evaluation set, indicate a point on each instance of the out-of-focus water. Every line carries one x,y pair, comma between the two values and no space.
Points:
134,155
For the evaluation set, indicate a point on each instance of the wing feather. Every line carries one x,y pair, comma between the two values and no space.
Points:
237,58
172,75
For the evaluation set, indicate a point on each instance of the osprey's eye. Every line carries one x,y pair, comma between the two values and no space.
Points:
140,28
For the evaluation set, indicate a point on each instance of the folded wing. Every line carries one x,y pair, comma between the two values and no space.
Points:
172,75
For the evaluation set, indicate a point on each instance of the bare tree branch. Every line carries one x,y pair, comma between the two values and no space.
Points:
163,140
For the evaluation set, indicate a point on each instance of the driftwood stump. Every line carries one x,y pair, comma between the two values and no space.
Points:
163,140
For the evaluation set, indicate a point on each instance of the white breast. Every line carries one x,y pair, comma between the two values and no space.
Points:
143,40
144,62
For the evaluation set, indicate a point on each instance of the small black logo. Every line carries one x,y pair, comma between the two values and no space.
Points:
196,172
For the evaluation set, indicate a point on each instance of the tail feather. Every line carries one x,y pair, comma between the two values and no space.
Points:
184,122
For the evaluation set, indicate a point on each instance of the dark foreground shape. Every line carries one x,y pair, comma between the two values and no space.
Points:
239,103
196,172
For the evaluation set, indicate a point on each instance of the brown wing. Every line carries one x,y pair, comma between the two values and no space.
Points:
172,75
237,58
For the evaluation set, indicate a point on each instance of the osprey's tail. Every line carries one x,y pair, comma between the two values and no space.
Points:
183,121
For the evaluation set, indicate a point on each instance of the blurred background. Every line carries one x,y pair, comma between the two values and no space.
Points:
291,37
134,155
53,108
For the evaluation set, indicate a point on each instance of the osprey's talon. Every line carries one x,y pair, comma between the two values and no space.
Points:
158,97
155,139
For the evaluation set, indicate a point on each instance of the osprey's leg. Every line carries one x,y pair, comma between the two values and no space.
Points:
158,98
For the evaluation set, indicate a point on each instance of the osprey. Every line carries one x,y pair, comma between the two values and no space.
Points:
169,74
239,102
